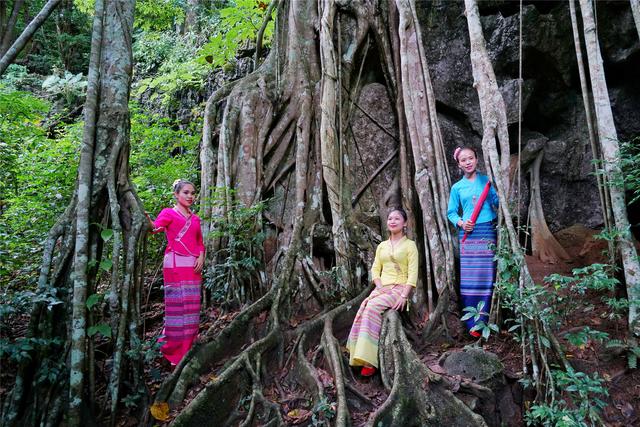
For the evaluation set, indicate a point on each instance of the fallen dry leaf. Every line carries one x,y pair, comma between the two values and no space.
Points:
298,415
160,411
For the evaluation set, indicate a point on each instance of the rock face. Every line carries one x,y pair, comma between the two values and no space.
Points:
552,107
484,386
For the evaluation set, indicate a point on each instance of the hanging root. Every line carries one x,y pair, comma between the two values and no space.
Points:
418,397
332,351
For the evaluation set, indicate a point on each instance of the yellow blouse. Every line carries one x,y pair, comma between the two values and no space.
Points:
404,270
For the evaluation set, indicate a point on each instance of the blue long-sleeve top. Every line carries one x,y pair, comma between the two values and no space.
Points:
465,193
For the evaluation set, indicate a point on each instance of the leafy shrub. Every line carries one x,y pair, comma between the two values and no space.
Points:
581,406
239,24
179,71
17,77
70,88
150,50
235,274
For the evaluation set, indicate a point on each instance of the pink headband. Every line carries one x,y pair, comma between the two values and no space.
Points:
456,153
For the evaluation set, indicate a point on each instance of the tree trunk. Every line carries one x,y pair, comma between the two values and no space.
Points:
8,28
3,18
603,188
103,196
431,179
12,52
611,153
635,9
334,157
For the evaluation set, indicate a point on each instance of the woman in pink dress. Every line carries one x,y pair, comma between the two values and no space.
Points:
182,268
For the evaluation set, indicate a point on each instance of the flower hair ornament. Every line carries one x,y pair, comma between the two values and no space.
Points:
456,153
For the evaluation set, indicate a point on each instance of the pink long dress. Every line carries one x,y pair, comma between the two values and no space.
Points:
181,283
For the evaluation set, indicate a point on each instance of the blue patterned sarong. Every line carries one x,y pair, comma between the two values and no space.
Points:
477,268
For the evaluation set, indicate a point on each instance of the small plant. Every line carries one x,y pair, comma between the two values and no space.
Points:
480,325
66,86
323,412
632,349
235,274
577,401
582,337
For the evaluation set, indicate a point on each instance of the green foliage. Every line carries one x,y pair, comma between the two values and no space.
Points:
150,15
239,25
583,404
631,348
159,155
323,412
151,49
102,328
630,169
158,15
480,325
597,277
179,69
20,113
582,337
574,398
17,77
70,88
42,183
235,274
63,41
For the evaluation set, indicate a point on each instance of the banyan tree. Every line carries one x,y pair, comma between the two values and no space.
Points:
287,136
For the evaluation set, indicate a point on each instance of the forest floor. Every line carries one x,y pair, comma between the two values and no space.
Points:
623,402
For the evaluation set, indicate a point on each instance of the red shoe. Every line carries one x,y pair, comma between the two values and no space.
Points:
367,371
475,334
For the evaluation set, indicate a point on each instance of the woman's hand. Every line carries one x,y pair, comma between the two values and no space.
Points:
199,263
467,226
151,225
401,301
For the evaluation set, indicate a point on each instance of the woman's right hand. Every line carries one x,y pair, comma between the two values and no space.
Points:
152,227
467,226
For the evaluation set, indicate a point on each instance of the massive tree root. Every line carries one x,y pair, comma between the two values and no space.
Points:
418,396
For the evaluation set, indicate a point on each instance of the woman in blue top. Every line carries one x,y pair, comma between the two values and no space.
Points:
477,267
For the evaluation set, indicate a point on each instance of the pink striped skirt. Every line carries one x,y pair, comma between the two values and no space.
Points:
182,306
365,332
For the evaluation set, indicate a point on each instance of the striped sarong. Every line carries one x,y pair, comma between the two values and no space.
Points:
477,268
182,306
365,332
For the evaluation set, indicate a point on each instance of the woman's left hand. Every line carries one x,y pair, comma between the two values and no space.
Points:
401,301
199,264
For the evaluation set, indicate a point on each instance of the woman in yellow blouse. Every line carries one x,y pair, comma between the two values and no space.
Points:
395,274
